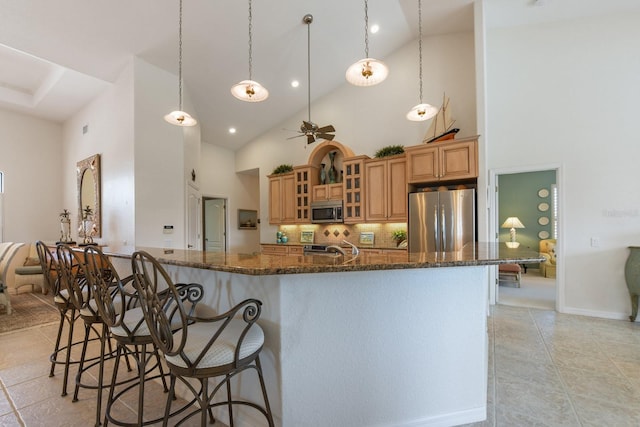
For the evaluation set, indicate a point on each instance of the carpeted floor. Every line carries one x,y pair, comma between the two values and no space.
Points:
28,309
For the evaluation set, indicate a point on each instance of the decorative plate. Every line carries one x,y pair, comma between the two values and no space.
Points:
543,234
543,220
543,207
543,192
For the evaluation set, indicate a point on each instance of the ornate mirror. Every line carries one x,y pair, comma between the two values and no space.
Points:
89,192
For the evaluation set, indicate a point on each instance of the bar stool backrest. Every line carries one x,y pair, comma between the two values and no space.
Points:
50,268
107,288
161,302
72,277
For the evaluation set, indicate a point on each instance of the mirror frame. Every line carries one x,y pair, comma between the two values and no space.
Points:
91,164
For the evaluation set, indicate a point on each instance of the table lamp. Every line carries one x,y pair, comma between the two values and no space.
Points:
512,223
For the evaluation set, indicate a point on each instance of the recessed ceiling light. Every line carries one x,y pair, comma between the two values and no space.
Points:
232,130
375,28
295,83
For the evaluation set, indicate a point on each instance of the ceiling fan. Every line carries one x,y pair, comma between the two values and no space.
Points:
309,129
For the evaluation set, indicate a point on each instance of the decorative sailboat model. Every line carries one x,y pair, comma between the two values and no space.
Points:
441,125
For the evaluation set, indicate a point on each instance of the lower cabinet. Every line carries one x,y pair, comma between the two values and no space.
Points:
276,249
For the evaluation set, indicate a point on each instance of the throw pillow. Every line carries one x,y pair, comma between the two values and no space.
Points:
31,261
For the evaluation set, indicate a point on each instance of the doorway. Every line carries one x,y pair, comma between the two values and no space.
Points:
532,196
215,224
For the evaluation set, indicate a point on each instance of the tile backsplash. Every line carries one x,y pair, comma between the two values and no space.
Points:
331,234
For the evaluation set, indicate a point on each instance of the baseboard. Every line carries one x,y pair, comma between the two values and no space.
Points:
453,419
596,313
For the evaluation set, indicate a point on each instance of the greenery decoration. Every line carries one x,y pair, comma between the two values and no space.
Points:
399,235
282,169
390,150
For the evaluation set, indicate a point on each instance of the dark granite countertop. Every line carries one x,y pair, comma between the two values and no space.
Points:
261,264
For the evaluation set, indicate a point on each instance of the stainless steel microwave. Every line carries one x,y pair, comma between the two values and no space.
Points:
326,212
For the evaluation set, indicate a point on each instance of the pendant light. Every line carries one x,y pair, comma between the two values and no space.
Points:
368,71
421,112
249,90
180,118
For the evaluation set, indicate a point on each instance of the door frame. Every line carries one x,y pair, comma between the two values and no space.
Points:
494,225
226,222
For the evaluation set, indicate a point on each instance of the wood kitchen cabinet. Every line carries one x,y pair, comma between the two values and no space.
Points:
443,161
327,192
386,190
353,189
282,198
306,179
275,249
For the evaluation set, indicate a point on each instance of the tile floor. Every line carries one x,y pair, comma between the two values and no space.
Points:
545,369
29,397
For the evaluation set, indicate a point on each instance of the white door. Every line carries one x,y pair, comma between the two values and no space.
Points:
194,218
214,224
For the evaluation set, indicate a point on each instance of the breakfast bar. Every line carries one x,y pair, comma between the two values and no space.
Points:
391,339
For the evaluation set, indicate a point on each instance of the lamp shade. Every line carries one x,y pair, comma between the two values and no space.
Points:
422,112
180,118
512,222
367,72
249,91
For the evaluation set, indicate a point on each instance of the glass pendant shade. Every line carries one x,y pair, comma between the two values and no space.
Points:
367,72
422,112
249,91
180,118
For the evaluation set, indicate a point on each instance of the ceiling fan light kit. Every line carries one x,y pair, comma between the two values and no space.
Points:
422,111
250,90
179,117
368,71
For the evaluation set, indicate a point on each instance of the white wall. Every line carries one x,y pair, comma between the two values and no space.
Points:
110,134
242,191
31,160
361,115
566,93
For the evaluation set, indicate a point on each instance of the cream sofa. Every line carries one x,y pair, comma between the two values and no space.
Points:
25,272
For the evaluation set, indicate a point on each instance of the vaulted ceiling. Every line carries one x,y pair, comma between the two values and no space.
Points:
55,56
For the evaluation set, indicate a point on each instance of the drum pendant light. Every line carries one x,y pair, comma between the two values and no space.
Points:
421,112
368,71
179,117
249,90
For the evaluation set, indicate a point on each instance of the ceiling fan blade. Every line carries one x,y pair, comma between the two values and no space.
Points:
310,139
328,128
297,136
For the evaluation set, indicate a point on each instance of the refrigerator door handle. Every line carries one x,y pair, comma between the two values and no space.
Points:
436,234
443,228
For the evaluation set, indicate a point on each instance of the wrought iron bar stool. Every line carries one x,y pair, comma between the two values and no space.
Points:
205,347
127,327
73,276
68,312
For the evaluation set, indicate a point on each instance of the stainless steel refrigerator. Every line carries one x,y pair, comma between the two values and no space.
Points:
441,221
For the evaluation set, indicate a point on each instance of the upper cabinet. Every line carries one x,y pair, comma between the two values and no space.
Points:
353,188
443,161
327,192
306,178
282,208
386,189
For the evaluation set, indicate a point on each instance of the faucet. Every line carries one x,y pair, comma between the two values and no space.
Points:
354,248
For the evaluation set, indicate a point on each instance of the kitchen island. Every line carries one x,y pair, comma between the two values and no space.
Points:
370,340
